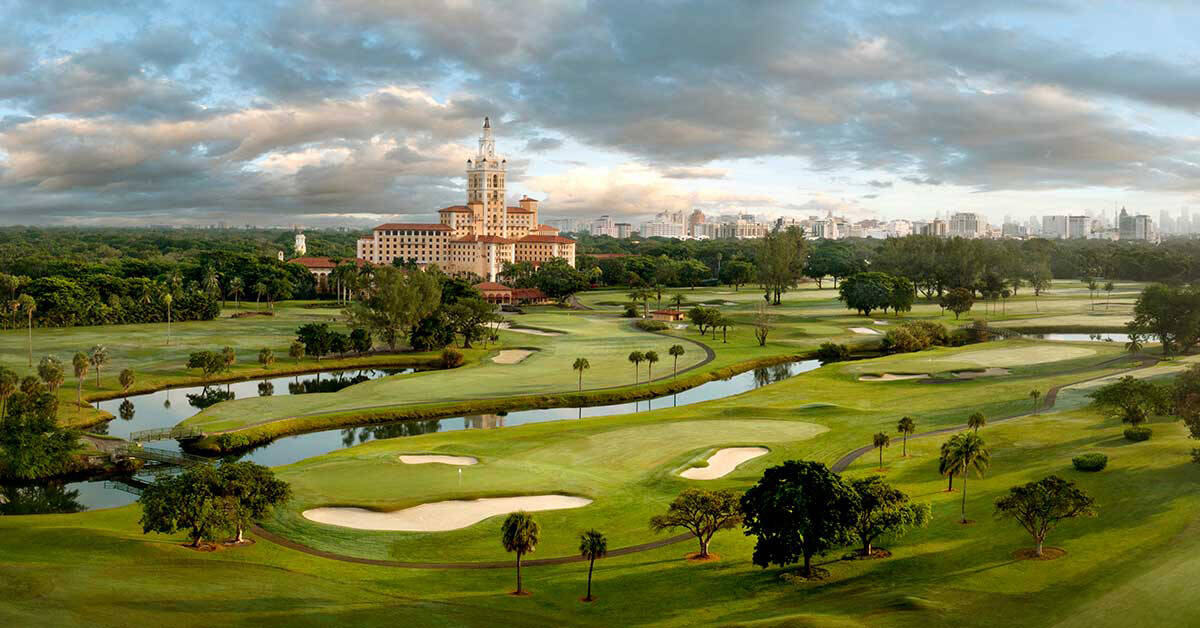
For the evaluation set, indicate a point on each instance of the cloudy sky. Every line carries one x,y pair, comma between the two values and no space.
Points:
325,112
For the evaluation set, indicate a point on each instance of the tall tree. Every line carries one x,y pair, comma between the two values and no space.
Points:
397,300
969,453
592,545
675,351
1040,506
781,256
520,534
1130,399
581,365
906,426
879,441
866,292
703,513
248,491
28,306
98,356
1036,395
797,510
126,379
976,421
237,287
51,370
636,357
9,384
883,510
81,364
651,357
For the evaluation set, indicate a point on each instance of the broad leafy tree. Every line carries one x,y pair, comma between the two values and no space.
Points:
866,292
396,301
798,510
882,510
1042,505
703,513
958,300
248,492
1130,399
32,443
51,370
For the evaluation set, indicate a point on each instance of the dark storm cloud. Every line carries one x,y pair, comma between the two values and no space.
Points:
360,106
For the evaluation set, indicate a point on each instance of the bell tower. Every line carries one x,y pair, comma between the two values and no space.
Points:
485,186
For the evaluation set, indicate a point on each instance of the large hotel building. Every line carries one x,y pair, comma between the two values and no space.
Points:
478,237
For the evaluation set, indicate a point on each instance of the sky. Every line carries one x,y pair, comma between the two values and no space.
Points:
352,112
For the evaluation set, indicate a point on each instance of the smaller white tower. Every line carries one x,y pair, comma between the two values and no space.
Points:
300,247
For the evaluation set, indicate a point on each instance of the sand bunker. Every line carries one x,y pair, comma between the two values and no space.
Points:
988,372
458,461
526,330
511,356
892,377
864,330
440,516
723,462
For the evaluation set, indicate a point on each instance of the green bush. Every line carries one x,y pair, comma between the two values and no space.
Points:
631,311
831,352
1090,462
231,442
1138,433
451,358
650,325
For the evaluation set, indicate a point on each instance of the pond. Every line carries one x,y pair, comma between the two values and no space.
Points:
1092,337
94,494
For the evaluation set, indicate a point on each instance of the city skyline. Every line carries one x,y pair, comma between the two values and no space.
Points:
354,113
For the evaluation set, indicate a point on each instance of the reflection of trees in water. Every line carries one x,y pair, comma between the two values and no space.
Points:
332,384
398,429
764,375
39,499
126,410
100,429
210,396
266,389
485,421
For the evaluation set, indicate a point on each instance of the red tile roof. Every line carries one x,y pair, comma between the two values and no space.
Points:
413,225
546,239
491,286
529,293
491,239
518,210
314,262
455,208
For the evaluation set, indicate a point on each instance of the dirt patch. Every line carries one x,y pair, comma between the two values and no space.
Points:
203,547
695,557
797,577
520,593
876,553
1048,553
511,356
965,523
892,377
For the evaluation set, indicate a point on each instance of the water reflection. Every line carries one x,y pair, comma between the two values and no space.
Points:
39,499
1088,337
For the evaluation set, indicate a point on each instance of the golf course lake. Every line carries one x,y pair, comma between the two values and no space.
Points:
159,413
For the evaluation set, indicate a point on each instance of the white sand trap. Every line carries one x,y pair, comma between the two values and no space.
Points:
511,356
892,377
440,516
458,461
879,322
864,330
723,462
526,330
988,372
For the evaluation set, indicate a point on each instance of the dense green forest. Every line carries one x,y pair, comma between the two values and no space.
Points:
80,276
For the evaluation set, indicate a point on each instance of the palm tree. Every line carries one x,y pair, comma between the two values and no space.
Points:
81,364
519,534
236,288
636,357
976,421
906,426
8,385
675,351
658,295
1035,394
167,298
946,464
725,323
643,295
211,286
651,357
98,356
970,454
678,300
1134,345
1108,288
50,369
592,545
1092,286
126,379
581,365
880,441
28,305
260,289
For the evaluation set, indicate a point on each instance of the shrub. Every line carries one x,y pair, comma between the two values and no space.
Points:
631,311
1138,433
831,352
903,340
451,358
231,442
1090,462
650,325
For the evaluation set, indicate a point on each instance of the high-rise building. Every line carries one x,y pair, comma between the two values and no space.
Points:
624,229
1078,227
967,225
603,226
476,238
696,218
1055,227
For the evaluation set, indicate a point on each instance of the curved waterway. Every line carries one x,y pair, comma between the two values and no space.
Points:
93,494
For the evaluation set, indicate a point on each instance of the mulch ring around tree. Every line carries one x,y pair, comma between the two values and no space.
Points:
965,522
695,557
876,552
203,547
208,546
525,593
1048,553
797,576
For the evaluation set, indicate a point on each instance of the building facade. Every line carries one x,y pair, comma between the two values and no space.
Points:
476,238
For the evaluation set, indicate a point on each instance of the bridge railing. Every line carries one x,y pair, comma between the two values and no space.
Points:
166,433
160,455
